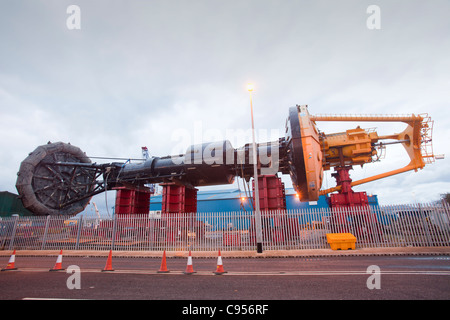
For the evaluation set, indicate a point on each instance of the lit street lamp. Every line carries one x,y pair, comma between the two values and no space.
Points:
255,180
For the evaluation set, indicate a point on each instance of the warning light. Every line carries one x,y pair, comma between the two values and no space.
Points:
250,87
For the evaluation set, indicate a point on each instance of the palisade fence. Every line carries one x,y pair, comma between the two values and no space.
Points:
421,225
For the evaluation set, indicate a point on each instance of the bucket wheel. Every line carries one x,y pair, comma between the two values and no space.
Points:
55,179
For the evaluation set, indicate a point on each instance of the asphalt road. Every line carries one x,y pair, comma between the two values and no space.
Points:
265,279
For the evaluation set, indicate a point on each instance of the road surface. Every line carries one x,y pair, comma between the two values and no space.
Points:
342,278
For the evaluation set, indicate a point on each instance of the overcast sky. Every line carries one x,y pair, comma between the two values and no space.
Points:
166,74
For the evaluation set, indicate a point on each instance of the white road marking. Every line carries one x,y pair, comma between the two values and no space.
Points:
50,299
256,273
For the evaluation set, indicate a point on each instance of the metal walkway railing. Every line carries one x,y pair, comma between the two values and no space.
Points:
421,225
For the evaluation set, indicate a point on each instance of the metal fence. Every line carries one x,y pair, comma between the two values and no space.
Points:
421,225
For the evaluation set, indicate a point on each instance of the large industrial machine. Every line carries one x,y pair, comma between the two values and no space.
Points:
60,179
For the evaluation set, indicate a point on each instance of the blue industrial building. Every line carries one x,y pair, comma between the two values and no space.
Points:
231,200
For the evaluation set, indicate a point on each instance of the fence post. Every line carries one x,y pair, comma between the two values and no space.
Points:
3,234
150,232
114,232
11,242
44,238
80,225
423,215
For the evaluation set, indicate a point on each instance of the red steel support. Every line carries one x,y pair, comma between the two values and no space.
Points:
271,193
346,196
272,201
132,201
178,199
179,206
351,208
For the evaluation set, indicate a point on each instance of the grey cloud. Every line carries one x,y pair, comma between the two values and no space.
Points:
138,70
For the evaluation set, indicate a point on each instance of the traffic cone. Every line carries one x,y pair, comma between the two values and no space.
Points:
219,269
108,266
189,268
163,268
11,262
58,264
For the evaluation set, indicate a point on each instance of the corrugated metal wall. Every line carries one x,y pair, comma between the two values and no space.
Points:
232,200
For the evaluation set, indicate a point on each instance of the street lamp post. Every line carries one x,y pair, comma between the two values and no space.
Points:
255,180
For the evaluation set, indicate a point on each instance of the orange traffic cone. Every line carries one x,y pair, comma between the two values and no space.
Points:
108,266
189,268
163,268
58,264
219,269
11,262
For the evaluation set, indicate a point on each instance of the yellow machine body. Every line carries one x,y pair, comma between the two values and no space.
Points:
359,146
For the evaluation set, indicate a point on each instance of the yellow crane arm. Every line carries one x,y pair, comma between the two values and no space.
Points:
357,146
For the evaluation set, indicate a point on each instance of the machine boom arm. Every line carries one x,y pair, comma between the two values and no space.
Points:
59,179
416,139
